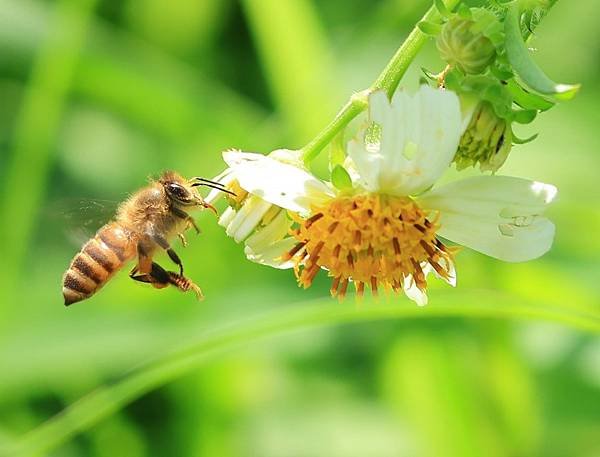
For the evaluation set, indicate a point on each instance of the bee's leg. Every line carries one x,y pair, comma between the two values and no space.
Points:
151,272
175,258
141,277
163,243
183,240
160,278
181,282
144,251
142,272
190,221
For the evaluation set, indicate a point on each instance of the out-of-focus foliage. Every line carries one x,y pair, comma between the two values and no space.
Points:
96,96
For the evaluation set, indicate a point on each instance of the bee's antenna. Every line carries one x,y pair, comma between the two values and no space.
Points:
222,189
215,183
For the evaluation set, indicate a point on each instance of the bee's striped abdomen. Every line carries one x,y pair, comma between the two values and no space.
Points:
98,260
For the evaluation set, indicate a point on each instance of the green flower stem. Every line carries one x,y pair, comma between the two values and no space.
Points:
106,400
388,80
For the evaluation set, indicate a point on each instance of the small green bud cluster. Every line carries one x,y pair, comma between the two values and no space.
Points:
489,66
462,44
486,141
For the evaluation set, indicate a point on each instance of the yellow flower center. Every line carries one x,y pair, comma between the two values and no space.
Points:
370,239
239,195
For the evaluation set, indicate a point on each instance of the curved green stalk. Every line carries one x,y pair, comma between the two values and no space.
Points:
388,80
101,403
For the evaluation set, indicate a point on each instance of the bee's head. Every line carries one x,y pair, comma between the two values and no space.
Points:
179,190
182,192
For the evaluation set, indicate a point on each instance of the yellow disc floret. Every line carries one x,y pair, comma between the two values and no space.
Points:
372,239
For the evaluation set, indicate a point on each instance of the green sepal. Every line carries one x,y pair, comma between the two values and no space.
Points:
526,99
464,11
423,81
441,7
488,24
337,151
517,140
454,79
501,72
525,116
525,67
484,88
429,75
340,178
429,28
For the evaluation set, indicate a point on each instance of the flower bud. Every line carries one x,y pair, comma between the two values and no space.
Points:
462,45
486,141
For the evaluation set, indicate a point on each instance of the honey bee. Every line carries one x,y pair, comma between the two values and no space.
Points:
144,223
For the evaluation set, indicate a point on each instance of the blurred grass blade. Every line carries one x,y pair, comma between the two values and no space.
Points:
154,90
513,391
184,28
297,61
525,67
35,132
105,401
424,378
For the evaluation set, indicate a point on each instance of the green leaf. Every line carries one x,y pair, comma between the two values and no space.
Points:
429,28
525,67
341,178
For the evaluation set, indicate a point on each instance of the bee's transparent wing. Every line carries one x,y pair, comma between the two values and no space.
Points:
80,218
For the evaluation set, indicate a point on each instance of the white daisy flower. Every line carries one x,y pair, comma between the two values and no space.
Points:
262,226
386,231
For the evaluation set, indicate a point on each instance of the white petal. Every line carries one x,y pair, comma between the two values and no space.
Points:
413,292
227,216
274,231
419,137
367,165
281,184
289,156
247,218
271,254
499,216
448,265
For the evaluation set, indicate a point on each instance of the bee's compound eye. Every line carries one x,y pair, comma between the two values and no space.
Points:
177,191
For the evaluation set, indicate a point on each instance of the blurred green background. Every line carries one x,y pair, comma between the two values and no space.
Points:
95,96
